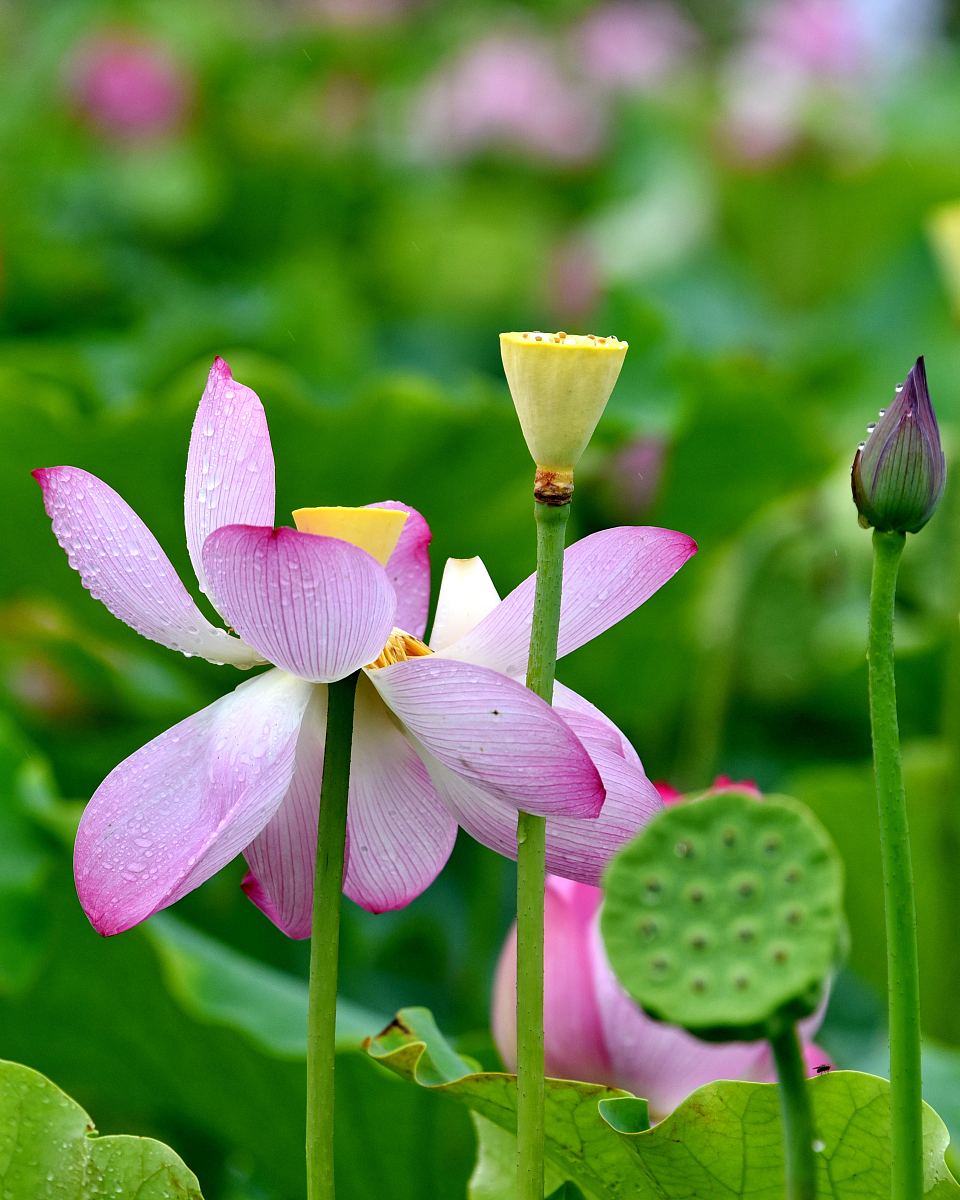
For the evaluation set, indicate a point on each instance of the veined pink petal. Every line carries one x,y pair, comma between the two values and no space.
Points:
318,607
582,854
400,833
282,857
574,1046
230,472
493,732
408,569
576,849
606,576
657,1061
121,564
183,806
566,700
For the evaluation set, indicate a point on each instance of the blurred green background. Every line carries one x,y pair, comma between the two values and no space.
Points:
349,199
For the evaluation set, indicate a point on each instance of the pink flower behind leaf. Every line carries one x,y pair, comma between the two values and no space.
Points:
129,86
594,1031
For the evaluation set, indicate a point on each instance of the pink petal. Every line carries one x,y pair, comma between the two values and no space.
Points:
657,1061
571,702
121,564
188,802
400,833
493,732
230,473
282,857
582,854
574,1046
318,607
606,576
408,569
576,849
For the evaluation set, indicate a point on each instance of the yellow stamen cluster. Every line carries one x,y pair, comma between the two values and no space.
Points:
400,646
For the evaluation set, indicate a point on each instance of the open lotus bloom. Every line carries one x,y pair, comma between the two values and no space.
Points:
438,737
595,1032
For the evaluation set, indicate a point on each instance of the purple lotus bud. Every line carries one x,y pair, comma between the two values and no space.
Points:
899,471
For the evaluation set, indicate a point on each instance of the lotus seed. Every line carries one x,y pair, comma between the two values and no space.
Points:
729,837
746,933
683,849
793,875
649,928
794,916
698,941
698,983
741,982
780,956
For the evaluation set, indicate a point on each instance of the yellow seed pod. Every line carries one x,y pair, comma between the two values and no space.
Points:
560,384
376,530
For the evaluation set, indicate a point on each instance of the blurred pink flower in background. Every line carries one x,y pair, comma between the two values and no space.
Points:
507,90
593,1031
817,37
797,48
128,85
573,282
355,14
624,46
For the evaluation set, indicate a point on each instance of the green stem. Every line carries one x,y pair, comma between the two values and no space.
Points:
797,1116
531,864
903,975
325,937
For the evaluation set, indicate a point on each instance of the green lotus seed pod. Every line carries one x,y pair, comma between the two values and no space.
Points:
725,915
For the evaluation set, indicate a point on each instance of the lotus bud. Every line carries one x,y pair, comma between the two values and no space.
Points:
560,385
899,471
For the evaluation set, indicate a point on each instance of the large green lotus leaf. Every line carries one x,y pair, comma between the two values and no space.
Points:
49,1150
495,1174
216,983
723,1142
25,861
579,1144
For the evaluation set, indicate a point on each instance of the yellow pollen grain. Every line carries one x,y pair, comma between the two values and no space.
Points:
400,646
376,530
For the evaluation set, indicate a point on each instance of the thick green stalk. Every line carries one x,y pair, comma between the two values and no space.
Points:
531,864
796,1114
903,975
325,937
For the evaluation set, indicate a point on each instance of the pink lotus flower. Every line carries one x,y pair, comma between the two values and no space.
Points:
129,86
508,90
595,1032
625,46
437,738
